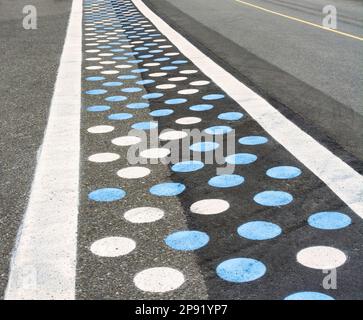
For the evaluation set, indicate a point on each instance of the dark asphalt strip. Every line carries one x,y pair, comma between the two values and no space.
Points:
29,61
331,123
105,277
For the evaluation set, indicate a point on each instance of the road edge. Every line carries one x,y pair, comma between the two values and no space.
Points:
343,180
43,264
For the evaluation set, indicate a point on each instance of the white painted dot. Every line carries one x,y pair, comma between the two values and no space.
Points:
209,206
127,46
188,71
123,66
165,46
93,50
188,91
113,246
110,72
107,62
155,153
143,215
104,157
200,83
93,59
177,79
94,67
105,54
171,54
161,279
133,172
158,74
173,135
126,140
159,40
188,120
165,86
151,64
321,257
100,129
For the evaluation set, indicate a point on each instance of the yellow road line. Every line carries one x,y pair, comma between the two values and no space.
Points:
300,20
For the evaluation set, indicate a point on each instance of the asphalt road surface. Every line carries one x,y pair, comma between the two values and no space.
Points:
28,63
313,76
146,228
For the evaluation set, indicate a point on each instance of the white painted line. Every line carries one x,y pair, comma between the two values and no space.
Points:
43,265
345,182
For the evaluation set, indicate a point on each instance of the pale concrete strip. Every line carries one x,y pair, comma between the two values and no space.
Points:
344,181
44,259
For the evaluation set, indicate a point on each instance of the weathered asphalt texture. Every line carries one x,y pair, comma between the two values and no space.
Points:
313,77
28,63
111,278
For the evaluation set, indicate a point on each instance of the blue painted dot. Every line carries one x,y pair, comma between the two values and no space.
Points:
120,116
145,125
146,56
112,84
241,270
107,194
154,95
187,240
119,58
230,116
252,140
273,198
329,220
96,91
116,98
131,90
127,77
98,108
226,181
187,166
283,172
259,230
141,48
138,105
241,158
204,146
167,189
117,50
167,68
179,62
213,97
308,295
135,61
201,107
161,59
146,81
141,70
176,101
218,130
161,112
95,78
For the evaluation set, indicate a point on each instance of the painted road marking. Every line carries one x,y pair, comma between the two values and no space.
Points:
344,181
300,20
41,241
43,265
214,219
